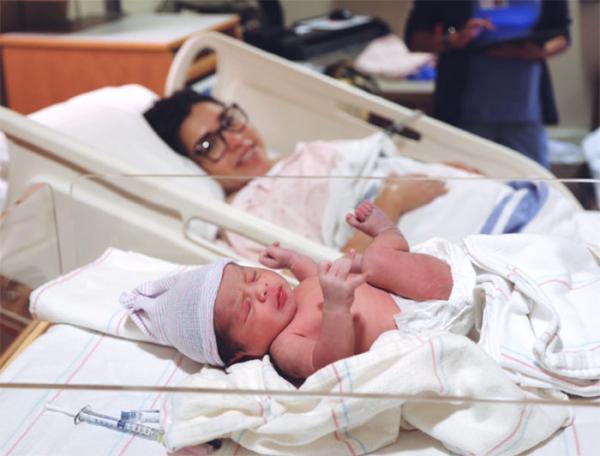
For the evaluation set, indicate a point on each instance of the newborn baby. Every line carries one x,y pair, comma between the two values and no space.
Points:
223,313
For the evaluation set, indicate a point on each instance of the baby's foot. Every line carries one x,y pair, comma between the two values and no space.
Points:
369,219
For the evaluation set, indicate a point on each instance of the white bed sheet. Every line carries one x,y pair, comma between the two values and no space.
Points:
67,354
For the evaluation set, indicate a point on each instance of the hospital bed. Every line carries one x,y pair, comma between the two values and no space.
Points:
87,196
65,358
286,102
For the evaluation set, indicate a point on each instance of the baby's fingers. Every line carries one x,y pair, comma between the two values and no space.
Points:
357,280
341,267
324,268
266,260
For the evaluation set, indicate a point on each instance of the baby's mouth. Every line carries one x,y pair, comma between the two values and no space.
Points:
281,298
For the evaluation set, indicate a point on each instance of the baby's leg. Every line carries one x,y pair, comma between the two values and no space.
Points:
389,264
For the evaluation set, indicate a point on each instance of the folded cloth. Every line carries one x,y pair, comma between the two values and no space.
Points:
388,56
540,309
178,310
437,364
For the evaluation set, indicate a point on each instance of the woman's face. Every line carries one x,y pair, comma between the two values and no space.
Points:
245,153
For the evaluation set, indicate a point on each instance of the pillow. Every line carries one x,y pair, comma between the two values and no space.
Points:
111,120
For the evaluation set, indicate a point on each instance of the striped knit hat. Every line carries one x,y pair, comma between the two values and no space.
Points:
178,311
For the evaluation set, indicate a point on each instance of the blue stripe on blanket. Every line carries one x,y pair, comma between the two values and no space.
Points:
534,199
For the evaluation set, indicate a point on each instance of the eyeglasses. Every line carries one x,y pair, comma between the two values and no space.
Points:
213,145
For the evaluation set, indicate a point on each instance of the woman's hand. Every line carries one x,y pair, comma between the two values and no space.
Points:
471,30
277,257
399,196
337,285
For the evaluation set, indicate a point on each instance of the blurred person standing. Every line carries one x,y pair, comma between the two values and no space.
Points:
492,76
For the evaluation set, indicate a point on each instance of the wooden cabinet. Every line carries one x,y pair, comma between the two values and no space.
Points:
43,69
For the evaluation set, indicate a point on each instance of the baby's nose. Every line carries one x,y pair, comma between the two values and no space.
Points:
262,290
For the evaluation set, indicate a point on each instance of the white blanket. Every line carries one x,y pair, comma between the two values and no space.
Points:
472,205
66,354
541,318
69,355
439,364
89,296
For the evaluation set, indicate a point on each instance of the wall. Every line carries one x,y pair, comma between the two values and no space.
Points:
589,13
575,73
394,13
572,75
85,8
294,10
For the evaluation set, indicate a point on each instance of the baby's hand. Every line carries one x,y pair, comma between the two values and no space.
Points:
276,257
337,285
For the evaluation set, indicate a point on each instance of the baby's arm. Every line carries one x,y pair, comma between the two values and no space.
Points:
277,257
292,353
300,356
336,336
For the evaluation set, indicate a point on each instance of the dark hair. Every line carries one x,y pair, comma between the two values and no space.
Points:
167,114
228,348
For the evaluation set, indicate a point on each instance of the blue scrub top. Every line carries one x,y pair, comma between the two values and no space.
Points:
499,90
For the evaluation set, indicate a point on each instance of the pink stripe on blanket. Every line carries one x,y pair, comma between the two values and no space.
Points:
336,434
550,374
576,437
177,365
512,434
435,367
85,360
568,285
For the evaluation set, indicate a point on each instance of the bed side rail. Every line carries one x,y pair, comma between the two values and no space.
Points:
290,103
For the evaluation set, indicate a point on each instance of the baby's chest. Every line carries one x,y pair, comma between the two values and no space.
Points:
307,321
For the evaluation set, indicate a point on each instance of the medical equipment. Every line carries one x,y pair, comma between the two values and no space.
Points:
87,415
141,416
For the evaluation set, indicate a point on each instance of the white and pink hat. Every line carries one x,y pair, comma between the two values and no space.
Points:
179,311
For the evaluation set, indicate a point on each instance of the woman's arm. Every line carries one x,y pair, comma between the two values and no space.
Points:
398,196
437,41
529,50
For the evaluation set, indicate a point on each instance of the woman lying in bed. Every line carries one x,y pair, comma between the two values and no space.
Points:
220,140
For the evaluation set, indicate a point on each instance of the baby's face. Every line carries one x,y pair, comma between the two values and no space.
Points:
254,305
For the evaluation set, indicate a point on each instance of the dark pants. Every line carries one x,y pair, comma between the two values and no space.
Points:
528,138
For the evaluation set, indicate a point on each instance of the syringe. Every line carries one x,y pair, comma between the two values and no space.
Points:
87,415
141,416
